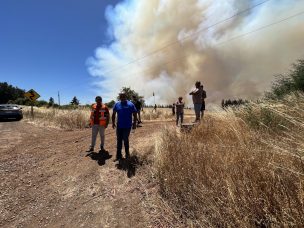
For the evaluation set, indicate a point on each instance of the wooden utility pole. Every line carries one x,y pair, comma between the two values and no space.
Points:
58,98
32,109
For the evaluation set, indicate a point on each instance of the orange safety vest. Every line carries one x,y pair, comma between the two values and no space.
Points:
102,115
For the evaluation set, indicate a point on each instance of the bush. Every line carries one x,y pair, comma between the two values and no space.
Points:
291,82
60,118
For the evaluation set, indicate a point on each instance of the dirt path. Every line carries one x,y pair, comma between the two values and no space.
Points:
48,179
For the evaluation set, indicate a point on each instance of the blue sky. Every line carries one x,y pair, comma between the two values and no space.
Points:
51,45
44,45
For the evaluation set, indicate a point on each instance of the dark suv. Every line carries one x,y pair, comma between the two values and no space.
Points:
10,111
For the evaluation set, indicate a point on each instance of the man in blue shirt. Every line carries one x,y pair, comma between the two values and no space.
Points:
124,109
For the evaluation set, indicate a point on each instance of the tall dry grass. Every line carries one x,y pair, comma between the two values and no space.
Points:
239,168
159,114
60,118
79,118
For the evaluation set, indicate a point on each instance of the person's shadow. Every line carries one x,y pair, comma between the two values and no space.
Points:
130,165
100,157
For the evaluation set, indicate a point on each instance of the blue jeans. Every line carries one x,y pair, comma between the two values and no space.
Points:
197,109
122,135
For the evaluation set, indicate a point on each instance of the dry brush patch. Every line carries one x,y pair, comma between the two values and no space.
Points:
238,168
61,118
161,114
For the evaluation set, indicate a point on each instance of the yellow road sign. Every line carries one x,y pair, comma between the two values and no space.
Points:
32,95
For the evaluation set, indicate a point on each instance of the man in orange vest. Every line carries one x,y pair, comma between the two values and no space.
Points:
99,121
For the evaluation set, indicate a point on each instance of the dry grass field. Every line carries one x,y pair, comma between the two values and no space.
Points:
240,167
79,118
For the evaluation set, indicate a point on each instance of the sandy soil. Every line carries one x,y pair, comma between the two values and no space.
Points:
49,180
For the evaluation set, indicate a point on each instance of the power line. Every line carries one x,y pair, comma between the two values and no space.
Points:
226,41
186,37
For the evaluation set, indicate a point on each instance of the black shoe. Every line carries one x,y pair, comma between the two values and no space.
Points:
117,159
91,149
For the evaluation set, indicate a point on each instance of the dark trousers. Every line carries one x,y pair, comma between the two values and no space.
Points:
181,116
122,135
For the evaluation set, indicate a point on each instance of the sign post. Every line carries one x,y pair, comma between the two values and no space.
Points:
32,95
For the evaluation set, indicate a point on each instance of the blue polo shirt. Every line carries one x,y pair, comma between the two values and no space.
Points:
124,113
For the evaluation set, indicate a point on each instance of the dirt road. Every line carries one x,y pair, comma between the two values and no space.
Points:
49,180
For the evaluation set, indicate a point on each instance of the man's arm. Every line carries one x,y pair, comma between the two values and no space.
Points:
194,92
134,112
108,117
134,120
114,119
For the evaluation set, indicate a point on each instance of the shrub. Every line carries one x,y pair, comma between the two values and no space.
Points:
291,82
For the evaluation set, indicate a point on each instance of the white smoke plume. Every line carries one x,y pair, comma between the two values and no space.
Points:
176,43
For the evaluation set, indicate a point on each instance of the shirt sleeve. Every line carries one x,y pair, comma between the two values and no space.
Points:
133,108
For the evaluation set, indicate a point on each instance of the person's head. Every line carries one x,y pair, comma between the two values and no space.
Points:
98,99
202,86
197,84
180,99
122,97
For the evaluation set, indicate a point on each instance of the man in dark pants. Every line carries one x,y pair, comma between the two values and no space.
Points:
180,110
124,109
204,96
197,95
138,106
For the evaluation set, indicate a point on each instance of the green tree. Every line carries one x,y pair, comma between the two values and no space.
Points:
130,93
110,104
9,93
291,82
74,101
51,102
41,103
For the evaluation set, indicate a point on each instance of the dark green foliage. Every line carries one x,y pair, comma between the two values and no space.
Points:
9,93
233,103
110,104
51,102
74,101
130,93
291,82
41,103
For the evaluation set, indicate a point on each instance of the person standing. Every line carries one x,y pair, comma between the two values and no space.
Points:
197,94
99,121
179,110
173,109
155,108
204,96
138,106
124,109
